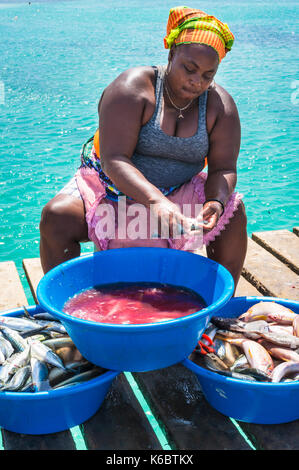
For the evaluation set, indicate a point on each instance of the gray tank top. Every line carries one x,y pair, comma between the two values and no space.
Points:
169,160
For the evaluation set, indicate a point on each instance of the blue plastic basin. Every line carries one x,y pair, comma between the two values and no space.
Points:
140,347
56,410
252,402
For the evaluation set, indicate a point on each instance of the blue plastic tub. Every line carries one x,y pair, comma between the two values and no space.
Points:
143,347
252,402
56,410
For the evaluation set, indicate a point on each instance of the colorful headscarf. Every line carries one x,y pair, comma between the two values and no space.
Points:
188,25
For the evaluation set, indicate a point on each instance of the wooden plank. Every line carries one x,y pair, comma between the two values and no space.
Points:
12,292
189,421
269,275
120,423
56,441
245,288
296,231
281,243
34,272
273,437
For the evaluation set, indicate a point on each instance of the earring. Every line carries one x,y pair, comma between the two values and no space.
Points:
168,68
212,85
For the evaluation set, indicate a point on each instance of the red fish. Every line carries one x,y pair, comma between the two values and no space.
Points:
296,326
283,369
257,356
269,311
280,353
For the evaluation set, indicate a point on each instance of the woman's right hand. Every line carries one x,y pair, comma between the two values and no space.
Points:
169,221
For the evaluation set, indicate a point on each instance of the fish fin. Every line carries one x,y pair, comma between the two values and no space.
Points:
26,313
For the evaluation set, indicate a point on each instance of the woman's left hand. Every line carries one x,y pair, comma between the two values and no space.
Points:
211,213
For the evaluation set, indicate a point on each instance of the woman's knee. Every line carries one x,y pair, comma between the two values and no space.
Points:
52,216
240,217
63,217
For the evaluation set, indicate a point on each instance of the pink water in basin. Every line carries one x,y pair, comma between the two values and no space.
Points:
133,304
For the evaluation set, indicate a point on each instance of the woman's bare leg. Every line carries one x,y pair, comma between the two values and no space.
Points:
62,228
229,248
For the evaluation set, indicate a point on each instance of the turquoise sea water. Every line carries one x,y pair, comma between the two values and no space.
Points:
58,56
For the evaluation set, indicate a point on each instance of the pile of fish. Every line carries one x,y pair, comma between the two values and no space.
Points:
262,344
36,355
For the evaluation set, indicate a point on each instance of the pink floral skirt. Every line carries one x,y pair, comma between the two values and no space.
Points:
101,211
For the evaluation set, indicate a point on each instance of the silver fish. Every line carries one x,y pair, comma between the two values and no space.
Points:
33,332
219,347
13,363
225,351
88,375
40,374
45,354
57,375
215,367
2,357
72,384
15,339
81,365
18,380
240,362
45,316
40,337
259,375
212,360
18,324
56,343
27,387
54,334
52,326
6,347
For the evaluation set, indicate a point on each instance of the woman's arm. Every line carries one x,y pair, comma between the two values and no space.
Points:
122,111
224,146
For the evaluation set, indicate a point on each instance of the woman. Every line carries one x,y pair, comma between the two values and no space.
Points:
157,125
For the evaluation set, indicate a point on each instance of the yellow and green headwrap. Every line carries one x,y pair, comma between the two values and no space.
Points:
188,25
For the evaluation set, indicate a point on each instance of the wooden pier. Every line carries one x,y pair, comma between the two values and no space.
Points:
172,395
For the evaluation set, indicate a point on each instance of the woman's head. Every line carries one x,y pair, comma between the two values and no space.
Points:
191,70
191,26
197,42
